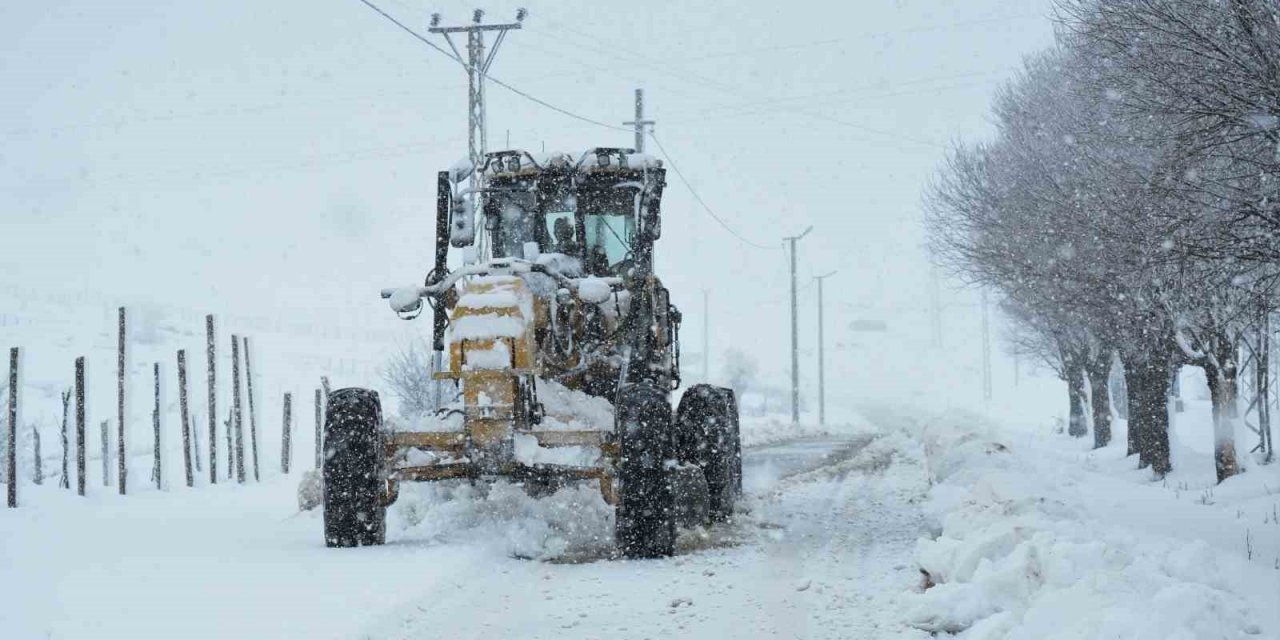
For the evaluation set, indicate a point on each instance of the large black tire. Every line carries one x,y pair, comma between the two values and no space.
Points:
707,435
354,477
645,523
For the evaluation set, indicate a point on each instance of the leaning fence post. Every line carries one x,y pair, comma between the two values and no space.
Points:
122,460
253,422
213,400
319,440
236,415
65,482
195,442
39,465
185,415
11,455
286,436
80,457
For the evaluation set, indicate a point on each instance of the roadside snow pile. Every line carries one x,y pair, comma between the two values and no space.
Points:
573,522
759,431
1024,552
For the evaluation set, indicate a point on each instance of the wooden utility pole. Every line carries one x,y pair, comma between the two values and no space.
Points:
122,460
210,354
11,453
253,422
80,457
236,416
286,453
185,415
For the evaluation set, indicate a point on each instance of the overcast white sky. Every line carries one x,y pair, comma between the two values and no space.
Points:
279,156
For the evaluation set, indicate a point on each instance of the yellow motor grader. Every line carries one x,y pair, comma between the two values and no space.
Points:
562,353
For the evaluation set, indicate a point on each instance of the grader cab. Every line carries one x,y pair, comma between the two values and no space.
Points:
562,351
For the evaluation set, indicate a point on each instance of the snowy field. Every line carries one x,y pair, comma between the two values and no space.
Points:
1018,535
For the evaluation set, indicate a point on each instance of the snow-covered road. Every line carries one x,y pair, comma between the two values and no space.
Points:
823,550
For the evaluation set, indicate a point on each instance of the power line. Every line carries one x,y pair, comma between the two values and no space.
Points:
704,81
697,197
421,38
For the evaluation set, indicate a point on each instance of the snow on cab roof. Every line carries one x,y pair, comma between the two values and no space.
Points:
519,160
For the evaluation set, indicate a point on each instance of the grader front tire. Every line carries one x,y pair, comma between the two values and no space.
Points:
354,483
645,523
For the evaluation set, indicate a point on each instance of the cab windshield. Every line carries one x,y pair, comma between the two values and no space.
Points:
610,226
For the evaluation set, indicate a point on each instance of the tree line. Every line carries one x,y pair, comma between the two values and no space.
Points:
1127,209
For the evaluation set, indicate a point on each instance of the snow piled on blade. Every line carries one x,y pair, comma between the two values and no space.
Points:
1032,545
572,522
571,410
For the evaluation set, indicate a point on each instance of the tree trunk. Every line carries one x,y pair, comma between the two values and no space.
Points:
1223,392
1148,384
1077,426
1099,369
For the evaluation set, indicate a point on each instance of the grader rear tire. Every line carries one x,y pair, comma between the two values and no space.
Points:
707,435
354,513
645,523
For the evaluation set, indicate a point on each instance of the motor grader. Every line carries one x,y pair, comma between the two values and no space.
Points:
562,349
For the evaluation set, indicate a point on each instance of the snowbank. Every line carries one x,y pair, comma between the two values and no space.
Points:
759,431
1033,543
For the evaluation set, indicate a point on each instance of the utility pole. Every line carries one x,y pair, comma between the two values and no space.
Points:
795,331
822,347
986,350
477,65
640,123
706,336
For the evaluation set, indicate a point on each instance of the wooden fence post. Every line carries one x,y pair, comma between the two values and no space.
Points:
286,436
80,457
195,441
122,460
157,472
106,456
236,415
38,478
319,427
213,400
186,416
253,422
65,482
11,454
